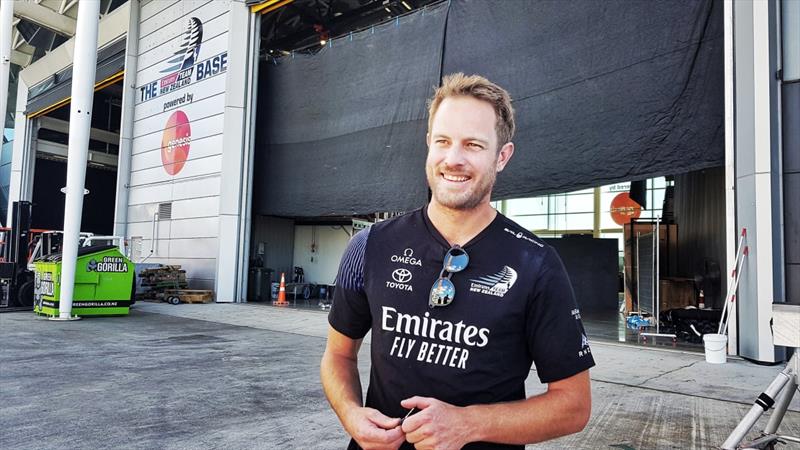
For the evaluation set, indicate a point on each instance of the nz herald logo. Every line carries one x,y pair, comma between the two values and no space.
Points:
185,66
109,264
497,284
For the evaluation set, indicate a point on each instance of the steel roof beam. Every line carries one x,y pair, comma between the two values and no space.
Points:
45,17
20,58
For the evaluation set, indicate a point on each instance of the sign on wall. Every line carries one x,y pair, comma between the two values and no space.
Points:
624,209
185,67
175,142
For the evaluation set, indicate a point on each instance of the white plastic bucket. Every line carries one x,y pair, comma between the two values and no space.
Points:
716,348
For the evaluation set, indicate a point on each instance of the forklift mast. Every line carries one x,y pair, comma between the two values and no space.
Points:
16,281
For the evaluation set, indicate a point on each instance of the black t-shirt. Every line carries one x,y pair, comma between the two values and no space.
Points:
513,306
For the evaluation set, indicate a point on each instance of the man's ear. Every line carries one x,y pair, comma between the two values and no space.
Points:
428,139
504,155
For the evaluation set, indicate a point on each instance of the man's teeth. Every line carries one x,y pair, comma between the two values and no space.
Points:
455,178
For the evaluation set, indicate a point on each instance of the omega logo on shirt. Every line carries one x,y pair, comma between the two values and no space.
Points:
407,258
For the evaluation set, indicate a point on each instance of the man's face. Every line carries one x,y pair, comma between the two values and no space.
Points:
463,160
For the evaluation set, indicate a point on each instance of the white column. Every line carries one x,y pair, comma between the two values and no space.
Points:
83,78
234,206
126,131
731,234
6,19
21,152
758,185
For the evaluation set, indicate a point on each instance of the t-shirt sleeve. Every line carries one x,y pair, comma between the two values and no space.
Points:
350,314
557,341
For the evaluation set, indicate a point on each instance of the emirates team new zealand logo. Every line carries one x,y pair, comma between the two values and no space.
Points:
189,50
497,284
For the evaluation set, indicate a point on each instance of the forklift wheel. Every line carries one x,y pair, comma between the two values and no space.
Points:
25,294
173,300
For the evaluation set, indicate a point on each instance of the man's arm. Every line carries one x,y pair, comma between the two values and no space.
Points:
564,409
342,385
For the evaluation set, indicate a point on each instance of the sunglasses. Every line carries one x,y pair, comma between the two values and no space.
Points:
443,290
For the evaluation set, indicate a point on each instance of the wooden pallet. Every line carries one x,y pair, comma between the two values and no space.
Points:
156,281
189,295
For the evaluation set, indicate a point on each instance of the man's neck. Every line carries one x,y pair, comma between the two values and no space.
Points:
459,226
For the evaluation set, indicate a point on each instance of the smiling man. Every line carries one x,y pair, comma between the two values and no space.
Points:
461,301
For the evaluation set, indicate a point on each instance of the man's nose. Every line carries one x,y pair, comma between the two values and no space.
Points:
455,155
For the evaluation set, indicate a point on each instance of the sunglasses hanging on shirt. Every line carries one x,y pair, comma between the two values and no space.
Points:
443,290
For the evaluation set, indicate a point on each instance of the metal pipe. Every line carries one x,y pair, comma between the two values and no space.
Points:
762,405
6,20
730,153
732,297
656,274
154,232
638,275
126,128
83,78
781,405
596,215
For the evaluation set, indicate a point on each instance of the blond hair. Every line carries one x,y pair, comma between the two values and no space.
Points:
479,88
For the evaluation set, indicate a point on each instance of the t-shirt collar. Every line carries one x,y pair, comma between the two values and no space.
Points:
439,238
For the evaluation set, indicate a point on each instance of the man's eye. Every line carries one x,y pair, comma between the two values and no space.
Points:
475,146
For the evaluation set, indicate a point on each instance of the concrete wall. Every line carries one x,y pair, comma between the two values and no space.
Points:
174,121
758,184
318,250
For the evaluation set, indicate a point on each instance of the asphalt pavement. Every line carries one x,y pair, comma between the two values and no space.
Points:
247,376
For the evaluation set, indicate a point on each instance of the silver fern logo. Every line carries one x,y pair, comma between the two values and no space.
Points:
497,284
189,50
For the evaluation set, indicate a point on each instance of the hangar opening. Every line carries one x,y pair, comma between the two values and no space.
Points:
50,140
619,164
43,53
306,246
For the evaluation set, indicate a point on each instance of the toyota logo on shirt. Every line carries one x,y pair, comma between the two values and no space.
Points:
401,275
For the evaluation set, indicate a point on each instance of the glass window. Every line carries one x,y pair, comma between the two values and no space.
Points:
533,223
578,221
553,214
526,206
580,203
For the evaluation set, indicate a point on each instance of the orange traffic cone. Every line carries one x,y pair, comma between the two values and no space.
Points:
281,293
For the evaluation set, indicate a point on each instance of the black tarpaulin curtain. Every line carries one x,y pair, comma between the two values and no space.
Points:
603,91
343,131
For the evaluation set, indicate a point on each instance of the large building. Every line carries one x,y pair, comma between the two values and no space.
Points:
228,135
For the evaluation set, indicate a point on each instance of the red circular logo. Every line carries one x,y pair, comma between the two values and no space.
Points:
623,209
175,142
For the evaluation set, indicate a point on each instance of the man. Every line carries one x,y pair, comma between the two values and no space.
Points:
460,301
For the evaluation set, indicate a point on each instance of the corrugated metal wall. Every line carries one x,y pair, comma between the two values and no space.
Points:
700,214
171,117
277,236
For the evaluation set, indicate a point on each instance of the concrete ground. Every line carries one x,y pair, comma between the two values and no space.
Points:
247,376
